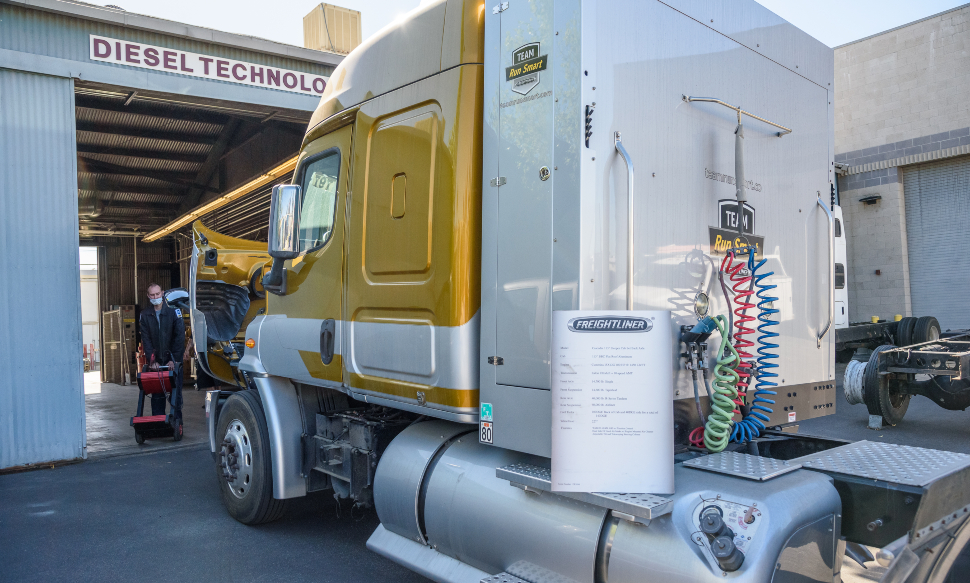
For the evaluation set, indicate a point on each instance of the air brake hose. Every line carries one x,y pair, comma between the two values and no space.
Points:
754,422
717,431
743,289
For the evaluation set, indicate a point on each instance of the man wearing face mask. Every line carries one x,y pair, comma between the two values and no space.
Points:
163,339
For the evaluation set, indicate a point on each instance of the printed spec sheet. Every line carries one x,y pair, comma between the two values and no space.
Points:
612,402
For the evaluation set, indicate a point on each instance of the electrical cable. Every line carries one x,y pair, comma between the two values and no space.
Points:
696,436
717,431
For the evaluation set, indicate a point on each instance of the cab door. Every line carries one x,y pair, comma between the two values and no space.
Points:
305,321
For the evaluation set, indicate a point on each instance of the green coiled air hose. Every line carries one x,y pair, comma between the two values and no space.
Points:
717,432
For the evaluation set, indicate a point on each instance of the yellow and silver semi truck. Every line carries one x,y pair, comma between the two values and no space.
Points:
473,172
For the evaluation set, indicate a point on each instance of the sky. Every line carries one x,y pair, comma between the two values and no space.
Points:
834,22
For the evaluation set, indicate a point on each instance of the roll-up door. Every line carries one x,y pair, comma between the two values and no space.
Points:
937,199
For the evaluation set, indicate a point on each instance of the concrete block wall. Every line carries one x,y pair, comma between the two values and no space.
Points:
900,93
876,240
903,84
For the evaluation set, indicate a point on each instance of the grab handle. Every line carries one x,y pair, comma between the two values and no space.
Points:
831,294
629,220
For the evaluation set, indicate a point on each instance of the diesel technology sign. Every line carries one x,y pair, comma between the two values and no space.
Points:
132,54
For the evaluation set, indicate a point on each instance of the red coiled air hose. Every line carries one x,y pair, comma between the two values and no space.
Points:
742,290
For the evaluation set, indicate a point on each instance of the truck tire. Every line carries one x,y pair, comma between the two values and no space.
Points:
926,329
878,398
243,463
904,332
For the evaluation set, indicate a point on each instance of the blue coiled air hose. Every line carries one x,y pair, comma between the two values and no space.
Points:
754,422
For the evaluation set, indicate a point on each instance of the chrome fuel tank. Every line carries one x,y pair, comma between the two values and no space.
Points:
449,511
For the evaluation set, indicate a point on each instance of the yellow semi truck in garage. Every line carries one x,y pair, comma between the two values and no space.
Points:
482,181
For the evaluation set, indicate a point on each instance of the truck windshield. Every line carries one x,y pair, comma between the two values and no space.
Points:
319,200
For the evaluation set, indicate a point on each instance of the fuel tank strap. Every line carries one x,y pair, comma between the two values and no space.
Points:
638,508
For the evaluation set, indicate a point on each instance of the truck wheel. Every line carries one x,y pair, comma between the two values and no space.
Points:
927,329
879,399
904,332
852,385
243,464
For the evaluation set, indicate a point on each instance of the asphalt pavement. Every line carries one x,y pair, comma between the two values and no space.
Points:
158,517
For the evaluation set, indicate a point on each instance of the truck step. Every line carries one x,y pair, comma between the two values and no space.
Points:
503,578
637,508
887,462
743,465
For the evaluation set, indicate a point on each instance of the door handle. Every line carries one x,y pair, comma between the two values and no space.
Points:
327,335
831,286
629,219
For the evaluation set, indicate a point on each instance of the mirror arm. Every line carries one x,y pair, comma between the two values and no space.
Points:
275,281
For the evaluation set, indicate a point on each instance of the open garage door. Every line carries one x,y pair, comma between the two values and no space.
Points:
937,214
145,159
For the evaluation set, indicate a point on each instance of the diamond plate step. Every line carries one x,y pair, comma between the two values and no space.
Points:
503,578
627,506
887,462
743,465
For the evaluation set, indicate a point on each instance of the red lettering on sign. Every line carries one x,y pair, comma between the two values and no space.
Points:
286,80
222,69
273,76
102,48
323,85
184,67
117,51
303,86
151,57
131,53
168,58
236,75
256,72
205,63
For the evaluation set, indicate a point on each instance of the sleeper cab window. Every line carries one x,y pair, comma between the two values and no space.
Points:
839,276
838,228
319,200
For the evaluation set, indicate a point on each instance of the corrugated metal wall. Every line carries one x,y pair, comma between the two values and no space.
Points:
42,395
116,278
937,198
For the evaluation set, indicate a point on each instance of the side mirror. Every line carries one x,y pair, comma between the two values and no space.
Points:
284,233
284,222
178,297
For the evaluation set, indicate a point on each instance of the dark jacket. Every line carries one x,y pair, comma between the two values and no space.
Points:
164,338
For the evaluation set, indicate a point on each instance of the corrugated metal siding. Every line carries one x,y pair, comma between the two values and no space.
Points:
937,214
41,396
156,262
55,35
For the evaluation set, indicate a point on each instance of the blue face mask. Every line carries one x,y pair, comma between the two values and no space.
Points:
155,301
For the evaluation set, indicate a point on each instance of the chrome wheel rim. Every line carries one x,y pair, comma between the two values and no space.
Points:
236,459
